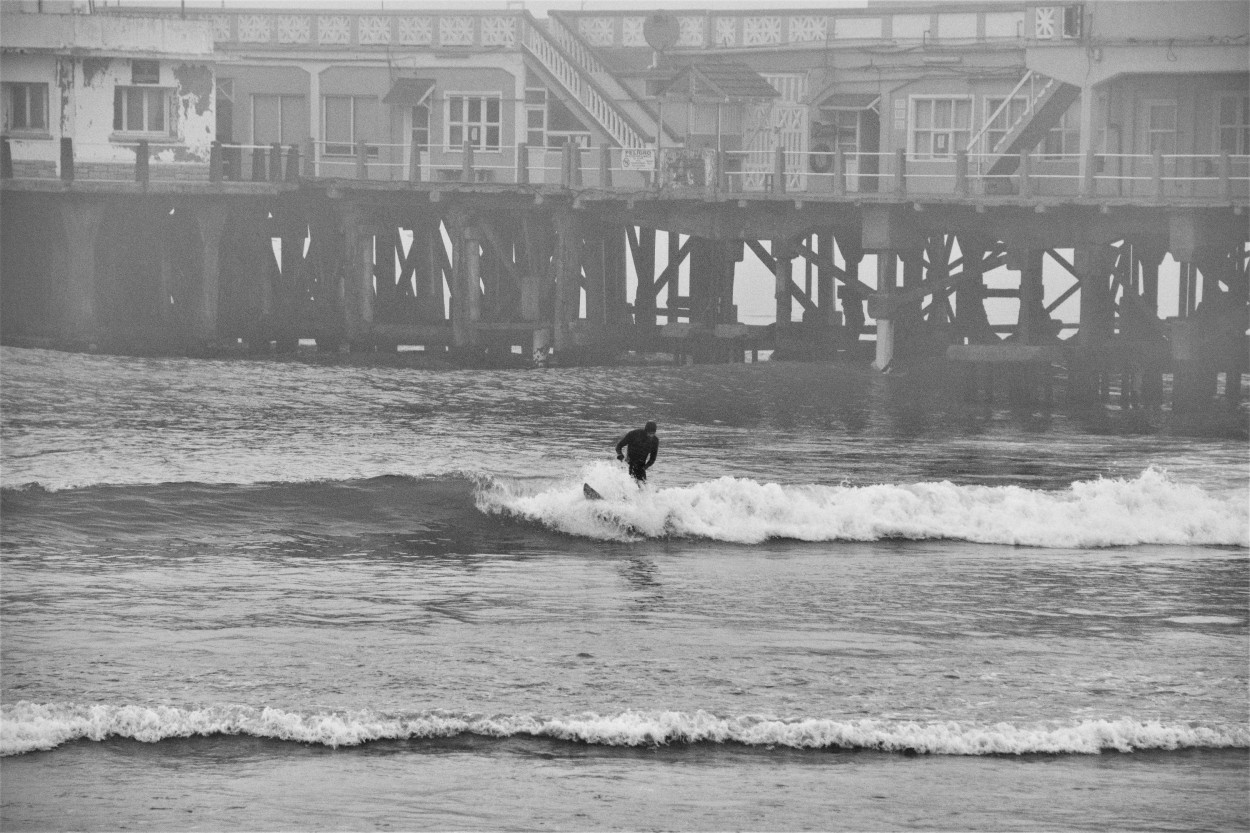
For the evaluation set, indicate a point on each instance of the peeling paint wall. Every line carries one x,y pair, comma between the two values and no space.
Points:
81,88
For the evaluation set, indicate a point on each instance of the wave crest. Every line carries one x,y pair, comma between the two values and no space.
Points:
28,727
1149,509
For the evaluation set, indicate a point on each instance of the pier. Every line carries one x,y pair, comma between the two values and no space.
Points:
632,234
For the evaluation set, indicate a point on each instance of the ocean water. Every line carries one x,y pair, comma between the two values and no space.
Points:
283,595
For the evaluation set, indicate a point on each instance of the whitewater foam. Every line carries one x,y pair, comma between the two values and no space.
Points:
28,727
1152,508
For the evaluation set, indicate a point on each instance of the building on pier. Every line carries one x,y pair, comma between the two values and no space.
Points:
593,181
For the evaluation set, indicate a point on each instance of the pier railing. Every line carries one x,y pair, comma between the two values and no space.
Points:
678,172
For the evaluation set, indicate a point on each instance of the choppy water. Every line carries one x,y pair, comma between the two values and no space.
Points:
380,594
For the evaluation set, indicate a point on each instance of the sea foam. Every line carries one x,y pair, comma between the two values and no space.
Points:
1152,508
28,727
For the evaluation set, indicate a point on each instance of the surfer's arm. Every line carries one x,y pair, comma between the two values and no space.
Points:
655,449
620,445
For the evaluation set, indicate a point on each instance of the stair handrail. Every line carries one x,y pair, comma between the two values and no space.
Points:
1034,96
1006,101
574,43
588,92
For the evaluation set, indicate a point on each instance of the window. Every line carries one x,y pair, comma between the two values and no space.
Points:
348,120
536,118
1161,126
1064,139
1234,126
940,126
279,118
145,72
421,125
997,130
140,109
1072,21
26,107
473,119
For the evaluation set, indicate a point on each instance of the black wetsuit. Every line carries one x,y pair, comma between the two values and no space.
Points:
641,449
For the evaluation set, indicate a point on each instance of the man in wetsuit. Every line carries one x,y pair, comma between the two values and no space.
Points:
641,445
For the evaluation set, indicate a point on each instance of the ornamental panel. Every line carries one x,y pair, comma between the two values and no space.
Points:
632,31
455,31
498,31
294,28
726,32
597,31
222,29
807,28
761,31
691,29
1044,23
254,28
416,31
373,29
336,29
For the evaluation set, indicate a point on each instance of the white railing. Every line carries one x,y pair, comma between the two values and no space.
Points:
548,52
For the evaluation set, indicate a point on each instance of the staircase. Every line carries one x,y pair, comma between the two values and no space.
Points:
573,65
1049,99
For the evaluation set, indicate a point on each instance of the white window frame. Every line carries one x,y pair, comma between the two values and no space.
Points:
535,107
371,151
1241,140
282,126
1068,129
150,93
466,126
953,142
40,90
1148,106
991,104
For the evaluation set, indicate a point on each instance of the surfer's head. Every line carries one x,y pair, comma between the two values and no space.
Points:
650,428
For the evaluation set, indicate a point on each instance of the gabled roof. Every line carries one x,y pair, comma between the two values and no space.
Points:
718,82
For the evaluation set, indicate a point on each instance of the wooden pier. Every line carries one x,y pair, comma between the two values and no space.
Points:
484,271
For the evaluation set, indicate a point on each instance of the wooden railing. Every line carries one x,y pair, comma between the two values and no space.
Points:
1149,179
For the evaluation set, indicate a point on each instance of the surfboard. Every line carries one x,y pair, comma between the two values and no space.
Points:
590,493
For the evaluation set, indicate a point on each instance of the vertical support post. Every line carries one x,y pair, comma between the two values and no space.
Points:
6,158
779,170
210,218
362,160
141,162
1026,174
357,292
275,162
258,165
575,165
1157,176
1091,264
67,159
292,163
466,162
214,162
1031,296
900,171
568,267
824,280
839,170
1226,180
1089,187
961,173
310,157
1152,372
644,266
783,270
76,260
414,162
522,164
887,277
605,165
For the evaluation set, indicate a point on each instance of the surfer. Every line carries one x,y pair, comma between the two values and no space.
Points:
641,445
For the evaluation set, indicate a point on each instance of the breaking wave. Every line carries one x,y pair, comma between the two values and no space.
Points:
1150,509
29,727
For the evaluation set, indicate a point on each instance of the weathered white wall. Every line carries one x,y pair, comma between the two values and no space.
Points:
139,36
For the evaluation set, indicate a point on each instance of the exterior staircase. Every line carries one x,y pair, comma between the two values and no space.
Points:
1049,98
572,63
